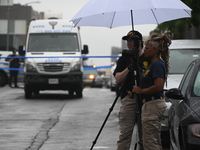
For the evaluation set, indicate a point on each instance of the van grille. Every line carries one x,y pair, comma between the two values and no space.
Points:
53,67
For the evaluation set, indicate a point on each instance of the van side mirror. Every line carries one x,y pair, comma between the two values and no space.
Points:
21,50
85,49
174,93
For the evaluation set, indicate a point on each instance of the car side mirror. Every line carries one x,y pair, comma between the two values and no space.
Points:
174,93
85,49
21,50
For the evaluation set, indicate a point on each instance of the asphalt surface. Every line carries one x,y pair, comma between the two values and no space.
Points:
55,121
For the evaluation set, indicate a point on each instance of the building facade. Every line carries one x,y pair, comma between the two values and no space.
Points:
14,21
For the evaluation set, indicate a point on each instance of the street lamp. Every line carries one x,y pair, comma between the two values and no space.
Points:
8,19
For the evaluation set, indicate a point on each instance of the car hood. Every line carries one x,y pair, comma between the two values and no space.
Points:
191,111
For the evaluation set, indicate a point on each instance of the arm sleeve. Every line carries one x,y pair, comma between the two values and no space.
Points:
7,59
158,71
121,65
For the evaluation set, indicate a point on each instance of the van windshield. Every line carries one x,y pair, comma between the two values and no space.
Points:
53,42
180,59
90,72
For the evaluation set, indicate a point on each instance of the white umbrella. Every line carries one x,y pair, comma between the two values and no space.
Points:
115,13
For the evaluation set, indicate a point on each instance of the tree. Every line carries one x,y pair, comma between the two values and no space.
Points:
185,27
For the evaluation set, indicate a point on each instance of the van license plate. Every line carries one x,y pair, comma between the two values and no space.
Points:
53,81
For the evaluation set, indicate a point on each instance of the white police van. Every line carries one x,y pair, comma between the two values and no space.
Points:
4,69
53,57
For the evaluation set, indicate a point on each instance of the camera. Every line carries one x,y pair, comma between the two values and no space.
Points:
130,53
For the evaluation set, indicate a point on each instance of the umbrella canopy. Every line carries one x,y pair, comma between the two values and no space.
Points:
115,13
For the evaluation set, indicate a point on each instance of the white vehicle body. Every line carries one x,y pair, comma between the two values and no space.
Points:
53,57
4,69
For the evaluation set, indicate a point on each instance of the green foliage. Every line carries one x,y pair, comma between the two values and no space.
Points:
175,27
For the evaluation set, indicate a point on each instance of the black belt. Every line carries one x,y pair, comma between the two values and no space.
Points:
152,98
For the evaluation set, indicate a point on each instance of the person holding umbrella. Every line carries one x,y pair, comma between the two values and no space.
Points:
151,90
123,74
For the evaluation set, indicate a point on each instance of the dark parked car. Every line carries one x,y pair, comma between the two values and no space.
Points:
184,113
182,53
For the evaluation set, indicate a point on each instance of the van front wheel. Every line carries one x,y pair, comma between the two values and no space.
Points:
28,92
79,94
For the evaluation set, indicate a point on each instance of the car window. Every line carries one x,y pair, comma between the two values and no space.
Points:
185,81
196,89
90,72
180,59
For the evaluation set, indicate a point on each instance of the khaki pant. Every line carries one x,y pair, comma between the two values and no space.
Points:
152,114
127,120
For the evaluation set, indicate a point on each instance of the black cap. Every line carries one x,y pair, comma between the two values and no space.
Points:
133,33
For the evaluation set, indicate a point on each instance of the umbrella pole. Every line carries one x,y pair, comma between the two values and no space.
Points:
132,19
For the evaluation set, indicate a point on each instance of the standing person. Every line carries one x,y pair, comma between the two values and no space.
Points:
14,65
151,90
122,73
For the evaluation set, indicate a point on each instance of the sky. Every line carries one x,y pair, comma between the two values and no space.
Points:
99,39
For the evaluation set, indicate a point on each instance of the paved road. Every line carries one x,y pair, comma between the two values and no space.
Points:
54,121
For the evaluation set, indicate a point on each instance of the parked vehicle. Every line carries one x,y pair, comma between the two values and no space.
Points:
91,77
113,84
182,53
4,69
53,57
184,113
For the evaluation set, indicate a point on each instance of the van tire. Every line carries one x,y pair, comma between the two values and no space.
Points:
28,92
71,93
79,94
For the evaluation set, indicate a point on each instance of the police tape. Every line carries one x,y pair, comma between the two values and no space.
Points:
97,67
84,68
14,69
62,57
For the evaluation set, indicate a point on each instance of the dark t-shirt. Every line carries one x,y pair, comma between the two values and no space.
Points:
15,63
122,63
155,70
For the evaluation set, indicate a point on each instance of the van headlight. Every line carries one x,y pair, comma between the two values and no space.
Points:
76,66
30,67
195,129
